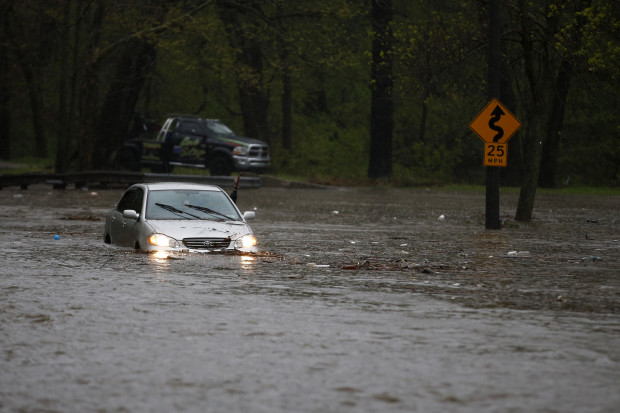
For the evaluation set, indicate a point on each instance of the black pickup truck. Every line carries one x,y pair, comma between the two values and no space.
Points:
195,142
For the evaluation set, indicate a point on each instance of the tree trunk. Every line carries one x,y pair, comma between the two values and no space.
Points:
118,108
5,94
538,77
422,133
551,146
253,101
63,126
382,103
33,85
287,100
532,145
511,174
35,94
556,118
88,94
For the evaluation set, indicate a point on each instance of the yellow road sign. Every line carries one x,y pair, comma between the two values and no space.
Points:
495,154
495,124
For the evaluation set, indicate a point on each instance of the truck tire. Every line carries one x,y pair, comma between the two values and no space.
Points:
128,160
220,165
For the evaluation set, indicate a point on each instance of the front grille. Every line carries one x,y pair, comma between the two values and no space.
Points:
206,243
259,151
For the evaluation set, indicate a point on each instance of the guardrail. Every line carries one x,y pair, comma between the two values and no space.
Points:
106,178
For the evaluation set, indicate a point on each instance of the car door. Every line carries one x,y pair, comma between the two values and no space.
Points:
124,230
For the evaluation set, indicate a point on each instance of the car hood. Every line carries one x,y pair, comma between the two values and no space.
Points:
200,228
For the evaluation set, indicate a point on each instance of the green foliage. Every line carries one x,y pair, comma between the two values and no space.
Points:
585,149
326,152
601,34
322,48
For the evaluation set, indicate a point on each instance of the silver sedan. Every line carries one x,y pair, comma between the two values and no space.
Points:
171,216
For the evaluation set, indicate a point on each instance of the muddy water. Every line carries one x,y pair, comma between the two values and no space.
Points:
362,301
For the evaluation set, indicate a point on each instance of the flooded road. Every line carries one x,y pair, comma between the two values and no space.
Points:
362,300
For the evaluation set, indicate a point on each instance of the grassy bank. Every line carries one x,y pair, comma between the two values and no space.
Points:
34,165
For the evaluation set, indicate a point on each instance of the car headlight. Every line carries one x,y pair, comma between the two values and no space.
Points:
240,150
246,241
162,240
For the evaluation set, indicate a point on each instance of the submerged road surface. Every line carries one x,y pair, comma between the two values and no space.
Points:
362,300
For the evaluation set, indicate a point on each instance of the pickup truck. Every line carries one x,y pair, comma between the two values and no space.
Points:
195,142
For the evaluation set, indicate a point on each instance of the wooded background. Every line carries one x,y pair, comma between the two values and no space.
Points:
345,89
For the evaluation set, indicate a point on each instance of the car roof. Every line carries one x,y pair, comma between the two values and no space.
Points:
196,118
155,186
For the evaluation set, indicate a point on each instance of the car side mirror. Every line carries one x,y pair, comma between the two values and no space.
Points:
249,215
131,214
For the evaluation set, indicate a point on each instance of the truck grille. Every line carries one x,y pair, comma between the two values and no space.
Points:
206,243
259,151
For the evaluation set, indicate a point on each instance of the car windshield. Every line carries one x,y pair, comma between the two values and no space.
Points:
190,204
220,130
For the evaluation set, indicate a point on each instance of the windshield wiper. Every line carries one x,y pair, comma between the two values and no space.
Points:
175,210
211,211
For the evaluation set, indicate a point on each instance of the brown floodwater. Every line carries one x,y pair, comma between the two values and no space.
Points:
361,300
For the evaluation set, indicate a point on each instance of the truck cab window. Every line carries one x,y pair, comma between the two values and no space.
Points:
188,127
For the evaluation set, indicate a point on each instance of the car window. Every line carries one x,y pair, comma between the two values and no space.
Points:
131,200
125,201
136,204
180,201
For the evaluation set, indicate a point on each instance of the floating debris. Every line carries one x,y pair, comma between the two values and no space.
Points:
518,253
315,265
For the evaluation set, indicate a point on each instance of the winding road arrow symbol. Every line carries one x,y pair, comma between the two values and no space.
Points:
496,116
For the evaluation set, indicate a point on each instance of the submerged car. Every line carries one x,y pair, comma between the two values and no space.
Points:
179,217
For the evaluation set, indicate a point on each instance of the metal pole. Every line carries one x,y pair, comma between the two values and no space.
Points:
494,67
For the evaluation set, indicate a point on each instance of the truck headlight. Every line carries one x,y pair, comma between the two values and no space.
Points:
240,150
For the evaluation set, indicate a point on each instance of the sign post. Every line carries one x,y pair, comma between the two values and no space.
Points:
495,125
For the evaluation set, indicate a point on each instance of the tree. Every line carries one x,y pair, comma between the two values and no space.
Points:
569,42
74,72
538,76
548,68
241,21
439,71
5,91
382,102
117,110
30,50
94,119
